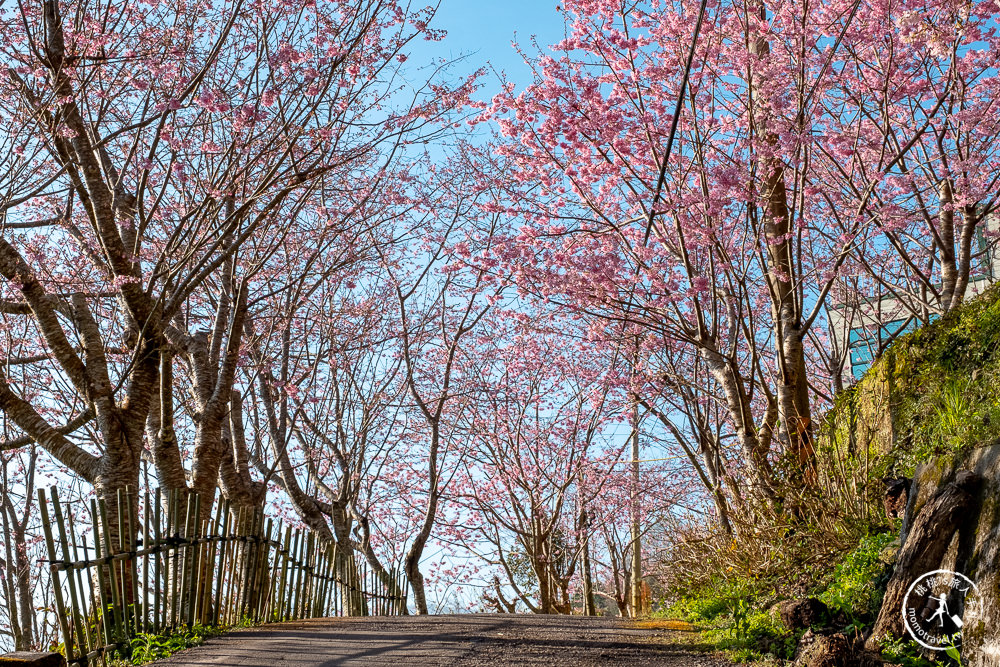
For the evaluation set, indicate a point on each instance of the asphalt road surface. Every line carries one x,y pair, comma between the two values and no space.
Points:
487,639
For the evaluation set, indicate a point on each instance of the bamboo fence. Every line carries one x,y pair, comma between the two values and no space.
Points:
158,568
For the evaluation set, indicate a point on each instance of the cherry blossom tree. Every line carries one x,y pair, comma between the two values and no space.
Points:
17,474
665,490
160,155
680,394
537,460
439,308
329,384
681,168
932,194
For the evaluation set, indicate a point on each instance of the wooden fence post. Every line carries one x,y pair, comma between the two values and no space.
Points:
193,571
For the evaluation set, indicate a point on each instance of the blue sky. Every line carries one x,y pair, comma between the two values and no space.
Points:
484,30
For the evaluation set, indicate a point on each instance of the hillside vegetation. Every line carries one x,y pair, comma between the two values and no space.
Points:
935,393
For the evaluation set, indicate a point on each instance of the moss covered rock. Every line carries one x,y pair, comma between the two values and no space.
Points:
975,549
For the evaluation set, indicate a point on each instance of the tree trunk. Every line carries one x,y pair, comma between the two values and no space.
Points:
970,221
794,410
234,474
741,412
708,453
540,563
946,234
391,584
412,563
205,469
17,582
636,529
23,585
160,432
346,564
118,477
117,486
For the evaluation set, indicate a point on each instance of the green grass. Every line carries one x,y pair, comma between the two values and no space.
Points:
737,616
696,608
755,636
858,582
906,653
946,383
731,622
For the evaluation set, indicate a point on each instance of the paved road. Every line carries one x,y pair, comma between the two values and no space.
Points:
487,639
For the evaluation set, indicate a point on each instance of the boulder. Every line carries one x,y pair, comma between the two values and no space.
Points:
818,650
890,554
925,546
974,550
804,613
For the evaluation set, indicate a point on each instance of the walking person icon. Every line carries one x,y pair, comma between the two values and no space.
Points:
942,609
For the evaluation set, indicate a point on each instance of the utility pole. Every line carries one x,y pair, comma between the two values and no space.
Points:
589,603
636,583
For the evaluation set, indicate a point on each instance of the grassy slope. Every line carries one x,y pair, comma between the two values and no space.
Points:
935,391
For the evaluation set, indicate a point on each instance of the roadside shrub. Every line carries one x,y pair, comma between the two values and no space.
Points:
730,613
148,647
706,606
905,652
858,583
755,636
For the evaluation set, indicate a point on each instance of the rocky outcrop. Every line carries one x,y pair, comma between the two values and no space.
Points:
805,613
974,547
827,650
924,549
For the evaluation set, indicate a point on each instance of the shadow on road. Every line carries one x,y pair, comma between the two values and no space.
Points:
444,640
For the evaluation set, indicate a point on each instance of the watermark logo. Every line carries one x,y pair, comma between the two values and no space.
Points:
937,606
